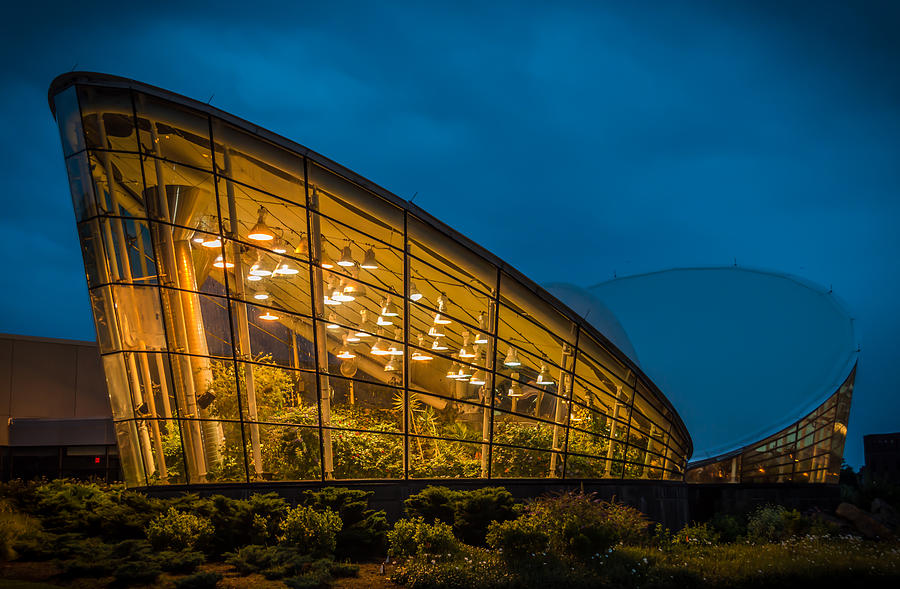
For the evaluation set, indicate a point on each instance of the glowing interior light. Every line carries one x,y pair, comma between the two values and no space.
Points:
344,352
280,247
414,294
285,270
327,265
260,295
221,263
544,376
441,320
453,373
419,355
477,378
437,346
378,348
464,373
352,338
332,321
480,338
346,258
391,366
361,331
199,239
389,309
256,270
395,350
465,351
260,231
383,321
515,389
435,331
210,241
268,316
512,358
252,278
369,261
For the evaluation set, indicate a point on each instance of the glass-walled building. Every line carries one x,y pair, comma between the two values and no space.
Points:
264,314
807,451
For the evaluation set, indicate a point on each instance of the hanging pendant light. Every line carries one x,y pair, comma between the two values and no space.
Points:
268,316
515,389
544,376
383,321
389,309
253,278
464,351
332,321
340,293
512,358
437,346
363,321
465,373
351,337
369,262
420,355
480,338
435,331
260,295
280,246
378,348
221,263
391,366
327,264
346,258
345,353
260,231
285,269
477,378
453,372
210,241
257,268
414,294
441,320
302,248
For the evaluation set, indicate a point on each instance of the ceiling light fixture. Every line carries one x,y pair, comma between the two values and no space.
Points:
260,231
369,261
512,358
346,258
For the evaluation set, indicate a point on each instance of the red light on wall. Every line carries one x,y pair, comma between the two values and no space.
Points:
96,460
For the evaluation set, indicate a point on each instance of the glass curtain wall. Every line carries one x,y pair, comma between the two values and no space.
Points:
808,451
262,317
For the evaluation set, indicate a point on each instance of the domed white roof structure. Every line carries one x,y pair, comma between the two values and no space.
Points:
740,352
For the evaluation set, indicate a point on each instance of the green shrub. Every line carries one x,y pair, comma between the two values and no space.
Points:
518,538
87,567
729,527
476,509
411,537
237,522
581,526
363,529
774,523
13,526
198,581
136,573
696,534
176,530
433,504
310,530
253,558
340,570
132,549
183,562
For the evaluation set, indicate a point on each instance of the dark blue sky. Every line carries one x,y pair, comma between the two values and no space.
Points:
573,141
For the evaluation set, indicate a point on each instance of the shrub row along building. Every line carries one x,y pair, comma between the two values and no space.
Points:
264,314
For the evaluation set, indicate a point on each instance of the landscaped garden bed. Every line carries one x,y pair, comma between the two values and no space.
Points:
63,533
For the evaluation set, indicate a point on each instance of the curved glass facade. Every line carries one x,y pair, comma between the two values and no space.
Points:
266,315
807,451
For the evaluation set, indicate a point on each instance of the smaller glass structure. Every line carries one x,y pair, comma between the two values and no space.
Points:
807,451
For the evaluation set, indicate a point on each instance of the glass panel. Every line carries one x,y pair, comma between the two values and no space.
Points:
287,453
173,132
108,118
105,320
197,324
68,117
165,464
431,372
93,253
252,161
365,455
125,195
118,386
520,463
271,280
215,450
270,336
445,459
441,264
281,395
356,207
363,405
130,453
585,467
81,187
516,430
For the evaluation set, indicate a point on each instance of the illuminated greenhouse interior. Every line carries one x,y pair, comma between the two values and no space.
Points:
264,314
807,451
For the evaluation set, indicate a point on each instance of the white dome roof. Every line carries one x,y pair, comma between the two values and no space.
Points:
739,352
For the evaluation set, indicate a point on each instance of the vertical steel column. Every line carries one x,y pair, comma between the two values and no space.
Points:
487,419
243,323
407,277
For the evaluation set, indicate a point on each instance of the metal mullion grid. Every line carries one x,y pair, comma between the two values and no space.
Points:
357,231
627,440
155,247
285,200
406,354
228,298
464,323
495,322
545,358
575,354
451,276
313,294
